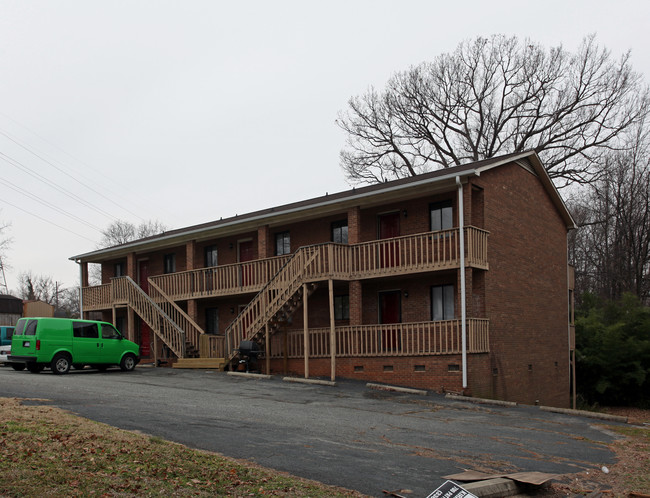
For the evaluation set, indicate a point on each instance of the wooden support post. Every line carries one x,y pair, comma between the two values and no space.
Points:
155,348
332,332
115,315
285,347
305,316
267,346
130,321
573,367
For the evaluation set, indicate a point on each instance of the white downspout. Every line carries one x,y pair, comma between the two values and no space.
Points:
81,286
463,304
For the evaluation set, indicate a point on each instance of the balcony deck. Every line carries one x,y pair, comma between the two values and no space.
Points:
409,254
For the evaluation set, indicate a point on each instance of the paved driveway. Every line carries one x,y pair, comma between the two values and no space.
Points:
346,435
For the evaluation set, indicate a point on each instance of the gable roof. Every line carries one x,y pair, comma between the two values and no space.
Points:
367,196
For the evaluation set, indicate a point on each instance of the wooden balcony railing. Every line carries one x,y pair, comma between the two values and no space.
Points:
220,280
97,297
401,255
397,339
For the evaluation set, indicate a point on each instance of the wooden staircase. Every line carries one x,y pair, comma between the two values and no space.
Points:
165,318
280,298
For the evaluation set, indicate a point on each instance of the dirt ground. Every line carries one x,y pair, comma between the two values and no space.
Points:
629,477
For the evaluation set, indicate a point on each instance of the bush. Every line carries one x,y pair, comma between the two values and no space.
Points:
613,351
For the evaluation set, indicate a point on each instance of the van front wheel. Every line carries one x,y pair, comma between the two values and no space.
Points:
60,364
128,363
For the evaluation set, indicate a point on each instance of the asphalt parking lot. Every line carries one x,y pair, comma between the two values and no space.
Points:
347,435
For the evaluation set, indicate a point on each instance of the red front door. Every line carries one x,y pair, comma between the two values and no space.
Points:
246,253
145,340
389,250
145,330
143,275
390,311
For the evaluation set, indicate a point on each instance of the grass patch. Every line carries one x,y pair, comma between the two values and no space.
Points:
46,451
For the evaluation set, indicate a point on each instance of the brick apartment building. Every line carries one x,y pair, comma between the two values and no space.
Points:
455,280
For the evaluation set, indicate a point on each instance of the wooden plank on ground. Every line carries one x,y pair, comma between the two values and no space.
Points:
215,363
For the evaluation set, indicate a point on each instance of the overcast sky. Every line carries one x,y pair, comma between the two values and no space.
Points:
188,111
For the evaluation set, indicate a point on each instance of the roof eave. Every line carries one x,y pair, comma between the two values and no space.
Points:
241,224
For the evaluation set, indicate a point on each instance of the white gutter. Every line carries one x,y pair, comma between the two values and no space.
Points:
463,304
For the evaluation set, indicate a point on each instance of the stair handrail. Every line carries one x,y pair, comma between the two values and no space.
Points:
165,332
191,329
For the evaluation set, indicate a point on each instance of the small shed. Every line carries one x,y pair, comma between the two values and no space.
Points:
37,308
11,309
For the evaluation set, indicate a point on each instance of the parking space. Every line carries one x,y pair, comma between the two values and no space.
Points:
346,435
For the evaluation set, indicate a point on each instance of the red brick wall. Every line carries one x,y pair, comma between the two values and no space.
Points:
264,245
354,225
306,232
226,249
432,371
525,292
224,307
417,306
414,215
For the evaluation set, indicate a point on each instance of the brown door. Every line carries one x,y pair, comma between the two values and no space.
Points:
390,311
389,250
246,253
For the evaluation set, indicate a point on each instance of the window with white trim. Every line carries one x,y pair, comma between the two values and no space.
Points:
442,302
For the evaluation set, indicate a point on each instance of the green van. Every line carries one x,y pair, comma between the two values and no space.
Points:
60,343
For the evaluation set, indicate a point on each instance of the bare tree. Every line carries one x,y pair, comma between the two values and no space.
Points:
121,232
5,240
611,250
494,96
43,288
68,303
37,287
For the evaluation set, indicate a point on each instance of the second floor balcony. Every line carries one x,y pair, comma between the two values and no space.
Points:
425,252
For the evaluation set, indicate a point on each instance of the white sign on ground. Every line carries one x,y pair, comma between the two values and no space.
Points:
451,490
